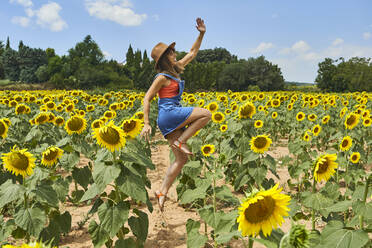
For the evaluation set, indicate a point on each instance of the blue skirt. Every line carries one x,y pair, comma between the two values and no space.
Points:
171,117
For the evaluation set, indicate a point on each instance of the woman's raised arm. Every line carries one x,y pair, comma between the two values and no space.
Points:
195,48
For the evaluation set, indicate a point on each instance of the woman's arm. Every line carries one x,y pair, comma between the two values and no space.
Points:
195,48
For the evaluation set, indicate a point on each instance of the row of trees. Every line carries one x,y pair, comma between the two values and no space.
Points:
85,67
340,75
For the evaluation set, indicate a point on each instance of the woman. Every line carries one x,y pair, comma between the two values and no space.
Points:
172,117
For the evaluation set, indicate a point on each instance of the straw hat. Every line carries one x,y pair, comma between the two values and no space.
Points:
159,50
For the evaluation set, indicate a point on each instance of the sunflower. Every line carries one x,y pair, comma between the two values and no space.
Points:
3,129
6,121
300,116
76,124
346,143
247,110
218,117
20,109
367,122
97,124
109,114
263,211
260,143
258,124
59,108
51,155
139,115
207,150
70,107
41,118
223,128
326,119
50,105
306,136
274,115
213,106
110,136
275,103
351,120
59,121
312,117
201,103
325,167
354,157
19,162
316,130
132,127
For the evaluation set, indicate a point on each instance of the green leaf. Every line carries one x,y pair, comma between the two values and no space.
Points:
191,195
225,194
6,228
126,243
334,236
61,188
104,174
139,225
10,192
316,201
362,208
250,156
47,194
82,176
63,141
138,158
102,155
132,186
227,236
113,217
92,191
30,219
34,133
194,238
339,206
192,168
98,234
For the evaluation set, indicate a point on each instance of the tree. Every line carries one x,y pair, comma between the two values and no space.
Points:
7,43
87,51
1,65
30,59
216,54
129,56
326,72
10,63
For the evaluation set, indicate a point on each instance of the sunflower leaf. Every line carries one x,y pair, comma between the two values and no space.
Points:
316,201
31,220
113,217
194,238
250,156
131,185
104,174
47,194
139,225
98,234
10,192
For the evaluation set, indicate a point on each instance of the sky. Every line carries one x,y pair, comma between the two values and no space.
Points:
294,34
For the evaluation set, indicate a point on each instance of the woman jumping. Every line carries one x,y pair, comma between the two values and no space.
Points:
172,117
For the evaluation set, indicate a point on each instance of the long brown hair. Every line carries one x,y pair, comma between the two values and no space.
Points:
165,66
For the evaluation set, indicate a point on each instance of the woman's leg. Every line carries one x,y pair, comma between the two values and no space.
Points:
175,168
198,119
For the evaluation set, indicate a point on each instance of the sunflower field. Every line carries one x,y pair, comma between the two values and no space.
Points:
231,181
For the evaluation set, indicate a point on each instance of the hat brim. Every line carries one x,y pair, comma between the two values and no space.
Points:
171,45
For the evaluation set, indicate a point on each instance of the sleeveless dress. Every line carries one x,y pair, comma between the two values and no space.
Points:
170,112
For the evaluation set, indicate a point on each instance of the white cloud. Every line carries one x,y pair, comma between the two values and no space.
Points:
48,17
118,11
262,47
337,41
29,12
300,46
24,3
367,35
21,20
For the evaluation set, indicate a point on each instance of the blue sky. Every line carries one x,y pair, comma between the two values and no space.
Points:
294,34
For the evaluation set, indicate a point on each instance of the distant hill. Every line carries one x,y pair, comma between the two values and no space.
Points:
299,83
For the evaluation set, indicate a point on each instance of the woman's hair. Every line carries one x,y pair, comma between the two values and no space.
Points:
164,65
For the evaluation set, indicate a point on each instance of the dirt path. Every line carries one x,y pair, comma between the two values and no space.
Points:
173,235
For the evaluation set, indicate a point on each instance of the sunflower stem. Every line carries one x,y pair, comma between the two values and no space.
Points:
313,210
250,242
214,199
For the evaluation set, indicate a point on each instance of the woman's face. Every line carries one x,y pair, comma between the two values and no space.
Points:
171,55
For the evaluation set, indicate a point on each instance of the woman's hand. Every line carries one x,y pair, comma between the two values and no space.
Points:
200,25
146,131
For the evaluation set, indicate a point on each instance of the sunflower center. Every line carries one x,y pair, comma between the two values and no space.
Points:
207,149
260,142
110,135
19,161
218,117
2,128
260,210
323,166
75,124
316,130
351,120
21,109
129,126
41,118
51,155
247,110
345,143
354,157
212,107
